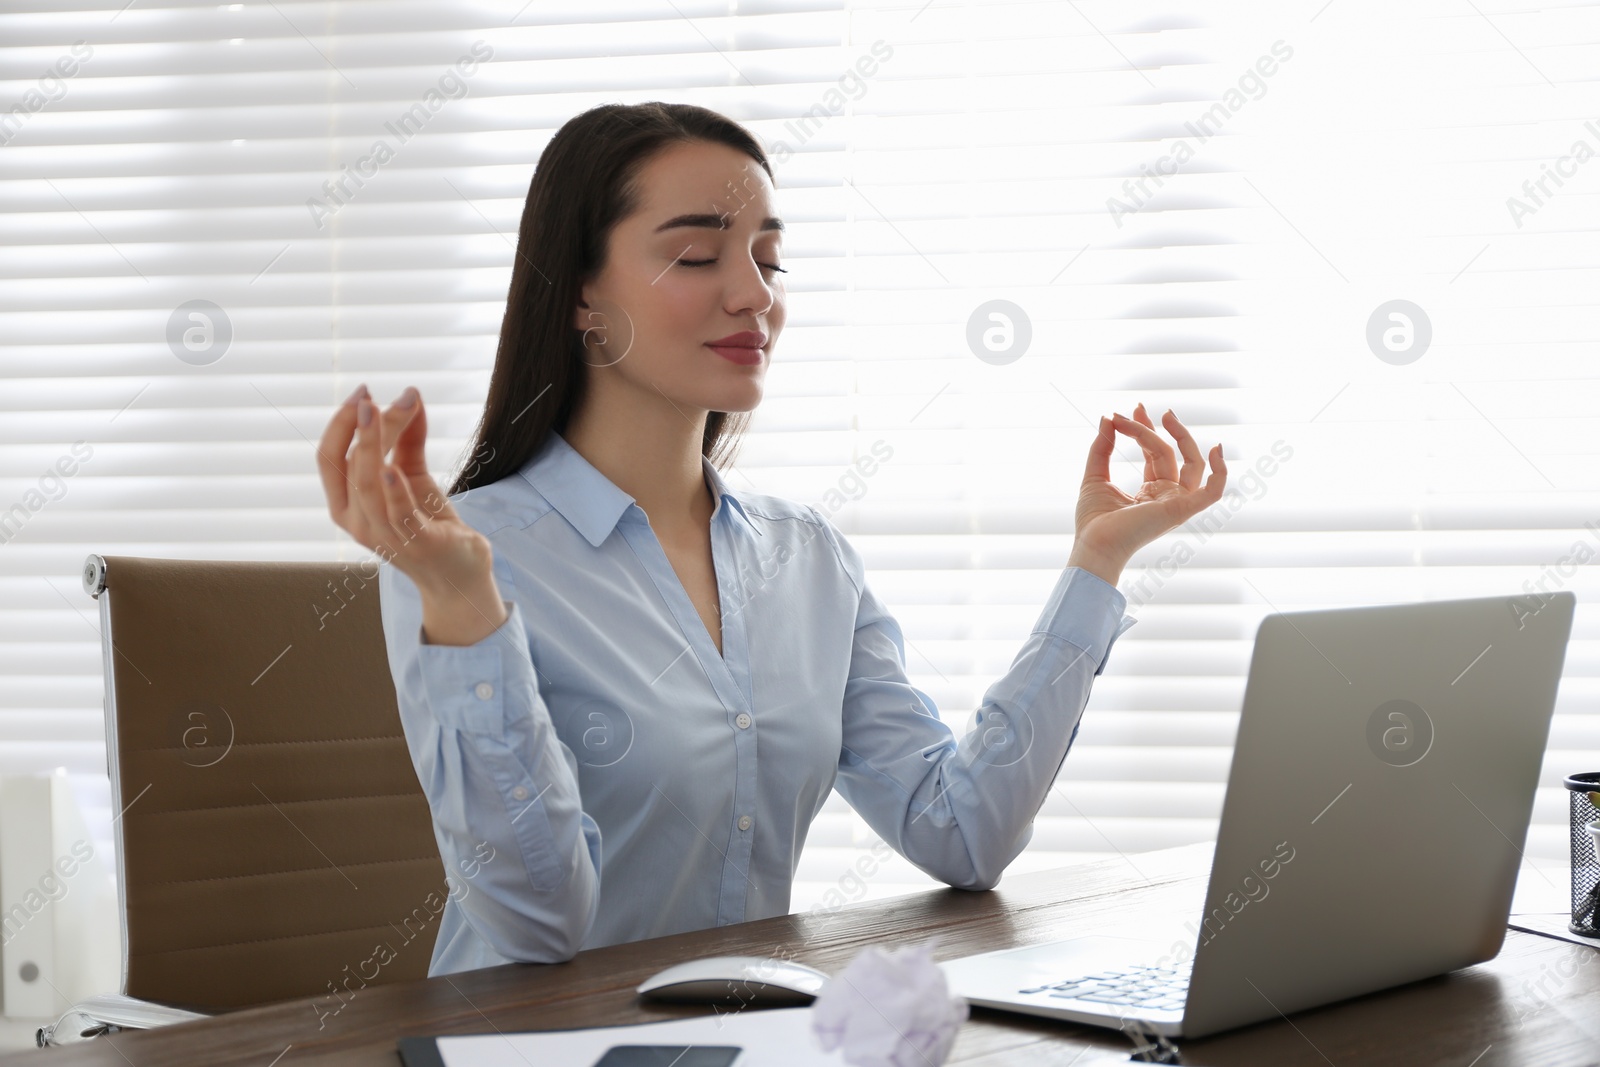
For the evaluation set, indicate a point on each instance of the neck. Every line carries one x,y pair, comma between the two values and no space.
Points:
649,448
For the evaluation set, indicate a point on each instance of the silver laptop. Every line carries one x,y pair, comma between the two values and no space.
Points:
1382,782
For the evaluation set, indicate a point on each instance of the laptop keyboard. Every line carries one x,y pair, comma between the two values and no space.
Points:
1159,988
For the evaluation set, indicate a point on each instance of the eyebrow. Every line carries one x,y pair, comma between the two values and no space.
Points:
714,222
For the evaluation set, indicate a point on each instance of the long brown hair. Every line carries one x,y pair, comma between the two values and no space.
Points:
582,186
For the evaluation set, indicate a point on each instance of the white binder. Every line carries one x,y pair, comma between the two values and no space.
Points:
60,939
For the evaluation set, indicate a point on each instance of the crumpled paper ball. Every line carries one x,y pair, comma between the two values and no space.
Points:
889,1009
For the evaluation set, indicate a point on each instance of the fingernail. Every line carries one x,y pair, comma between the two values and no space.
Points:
353,397
389,478
407,399
364,412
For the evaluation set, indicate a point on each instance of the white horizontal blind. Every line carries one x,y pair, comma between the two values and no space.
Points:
229,153
1200,206
930,158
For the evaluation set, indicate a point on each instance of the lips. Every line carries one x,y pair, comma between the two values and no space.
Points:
743,339
743,347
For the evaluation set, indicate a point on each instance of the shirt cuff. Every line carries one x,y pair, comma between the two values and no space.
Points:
1085,611
466,685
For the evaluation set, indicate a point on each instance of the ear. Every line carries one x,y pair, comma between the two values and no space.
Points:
582,317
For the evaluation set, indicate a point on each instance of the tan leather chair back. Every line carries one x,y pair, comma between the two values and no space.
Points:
273,841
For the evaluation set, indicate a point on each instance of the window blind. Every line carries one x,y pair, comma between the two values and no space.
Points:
1217,208
1004,219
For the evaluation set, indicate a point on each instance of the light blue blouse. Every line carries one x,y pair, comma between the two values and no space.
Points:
598,773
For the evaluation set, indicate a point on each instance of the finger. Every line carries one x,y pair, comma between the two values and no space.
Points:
1192,504
1218,481
1163,460
406,424
401,515
386,426
1194,464
1098,469
366,461
1143,417
410,459
332,449
392,425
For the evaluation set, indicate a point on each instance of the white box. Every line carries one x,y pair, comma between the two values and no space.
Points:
60,934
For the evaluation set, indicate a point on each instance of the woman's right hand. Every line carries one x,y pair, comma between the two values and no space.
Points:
399,512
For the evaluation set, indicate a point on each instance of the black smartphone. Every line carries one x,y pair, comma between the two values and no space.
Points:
670,1056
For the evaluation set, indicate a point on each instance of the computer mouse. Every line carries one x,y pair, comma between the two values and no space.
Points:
736,980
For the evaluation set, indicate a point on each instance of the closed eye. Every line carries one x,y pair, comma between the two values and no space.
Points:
708,262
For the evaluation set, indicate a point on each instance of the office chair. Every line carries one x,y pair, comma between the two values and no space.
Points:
272,838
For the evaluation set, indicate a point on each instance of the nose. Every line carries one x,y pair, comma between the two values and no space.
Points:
749,292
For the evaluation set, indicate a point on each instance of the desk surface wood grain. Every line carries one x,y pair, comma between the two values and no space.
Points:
1536,1003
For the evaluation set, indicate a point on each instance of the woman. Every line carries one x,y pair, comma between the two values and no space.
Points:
628,689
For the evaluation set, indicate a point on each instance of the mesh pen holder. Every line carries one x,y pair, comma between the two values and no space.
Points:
1585,793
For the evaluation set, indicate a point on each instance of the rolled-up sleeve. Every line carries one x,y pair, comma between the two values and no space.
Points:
520,851
961,810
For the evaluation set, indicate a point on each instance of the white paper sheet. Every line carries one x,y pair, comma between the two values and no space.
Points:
771,1037
1542,886
1554,925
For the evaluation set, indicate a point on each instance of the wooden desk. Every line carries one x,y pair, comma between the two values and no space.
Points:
1495,1013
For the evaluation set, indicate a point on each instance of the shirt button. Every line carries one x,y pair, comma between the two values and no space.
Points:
484,690
520,792
743,720
744,822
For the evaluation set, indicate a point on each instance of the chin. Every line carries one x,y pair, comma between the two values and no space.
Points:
731,400
734,405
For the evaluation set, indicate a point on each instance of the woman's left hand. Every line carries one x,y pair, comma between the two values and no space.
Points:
1111,525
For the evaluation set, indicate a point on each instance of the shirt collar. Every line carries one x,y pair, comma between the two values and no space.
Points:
593,503
721,494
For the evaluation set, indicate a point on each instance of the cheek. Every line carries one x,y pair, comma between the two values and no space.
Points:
682,294
672,310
